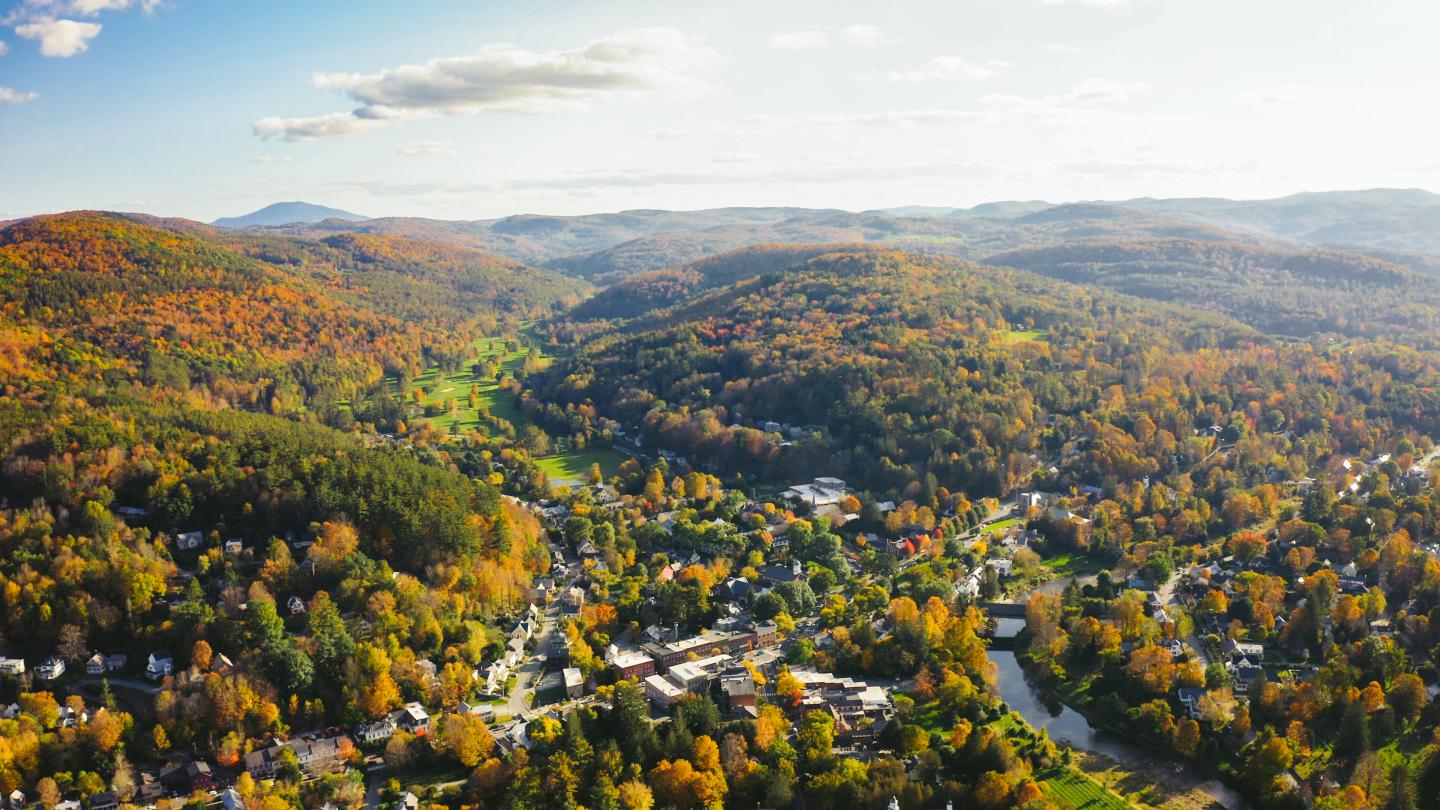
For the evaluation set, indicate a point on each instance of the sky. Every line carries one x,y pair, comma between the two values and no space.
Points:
470,110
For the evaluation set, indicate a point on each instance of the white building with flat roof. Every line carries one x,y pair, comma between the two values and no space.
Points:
662,692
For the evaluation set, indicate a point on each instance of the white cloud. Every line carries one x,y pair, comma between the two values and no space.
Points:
1293,95
3,47
901,118
60,38
503,78
1059,47
269,159
12,96
735,157
97,6
52,8
1095,3
423,148
823,36
948,68
642,178
309,128
1106,90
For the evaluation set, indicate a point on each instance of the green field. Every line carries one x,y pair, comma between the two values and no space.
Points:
1001,525
1071,564
1025,336
1072,789
500,403
576,466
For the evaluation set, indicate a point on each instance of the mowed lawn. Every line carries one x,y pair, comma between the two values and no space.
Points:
566,467
457,385
1072,564
1074,790
575,467
1025,336
999,526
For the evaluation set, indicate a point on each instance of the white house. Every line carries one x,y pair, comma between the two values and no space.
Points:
382,729
514,652
574,683
495,676
12,666
413,718
1001,565
187,541
160,664
51,668
969,587
296,605
100,663
69,718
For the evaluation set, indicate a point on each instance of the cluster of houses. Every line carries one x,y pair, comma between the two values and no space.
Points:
495,674
53,667
688,677
66,717
860,709
317,754
671,668
180,776
192,541
969,587
411,718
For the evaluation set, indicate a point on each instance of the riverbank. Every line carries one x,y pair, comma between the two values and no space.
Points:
1145,778
1147,786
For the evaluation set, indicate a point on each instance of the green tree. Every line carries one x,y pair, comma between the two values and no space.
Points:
329,638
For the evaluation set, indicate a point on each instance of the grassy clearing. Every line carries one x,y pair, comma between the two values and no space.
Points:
457,385
576,466
499,403
1071,564
1146,787
999,526
1025,336
1073,789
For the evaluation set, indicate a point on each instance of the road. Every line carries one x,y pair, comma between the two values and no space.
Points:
147,687
528,672
374,783
1166,593
136,697
1005,510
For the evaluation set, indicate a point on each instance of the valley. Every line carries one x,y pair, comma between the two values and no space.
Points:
813,507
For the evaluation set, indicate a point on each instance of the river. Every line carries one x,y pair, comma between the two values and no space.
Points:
1066,725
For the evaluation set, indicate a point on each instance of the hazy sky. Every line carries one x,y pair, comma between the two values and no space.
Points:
203,108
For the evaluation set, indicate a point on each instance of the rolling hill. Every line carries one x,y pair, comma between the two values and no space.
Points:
1277,288
179,303
606,247
900,362
286,213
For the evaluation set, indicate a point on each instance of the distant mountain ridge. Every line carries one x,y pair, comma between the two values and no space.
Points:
1402,224
287,213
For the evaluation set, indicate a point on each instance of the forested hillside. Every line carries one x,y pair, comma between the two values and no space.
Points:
904,364
907,368
199,427
1277,289
643,292
275,324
